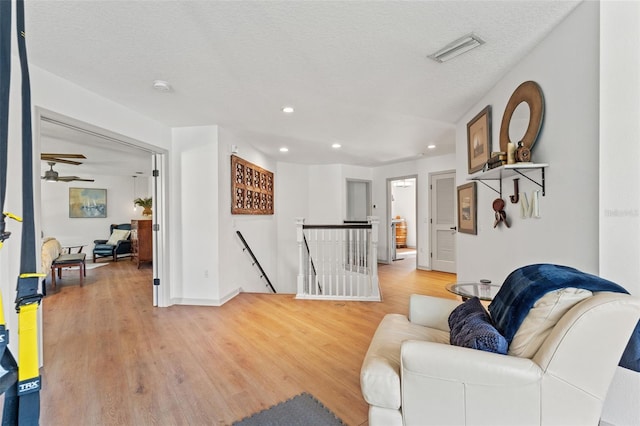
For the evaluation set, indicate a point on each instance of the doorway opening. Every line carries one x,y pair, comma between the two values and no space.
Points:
402,199
110,163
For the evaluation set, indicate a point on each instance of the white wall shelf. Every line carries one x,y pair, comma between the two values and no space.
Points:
510,170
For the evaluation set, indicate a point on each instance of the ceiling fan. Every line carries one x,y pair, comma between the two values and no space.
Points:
52,176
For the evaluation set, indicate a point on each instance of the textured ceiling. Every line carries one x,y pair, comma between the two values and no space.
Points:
357,72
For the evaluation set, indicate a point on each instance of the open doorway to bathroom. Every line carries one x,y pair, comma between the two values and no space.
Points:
403,243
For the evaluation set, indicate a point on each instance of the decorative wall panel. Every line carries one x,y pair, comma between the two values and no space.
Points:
251,188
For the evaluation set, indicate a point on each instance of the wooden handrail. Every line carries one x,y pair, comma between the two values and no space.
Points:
345,226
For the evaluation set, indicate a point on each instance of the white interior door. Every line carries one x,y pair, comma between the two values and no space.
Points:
443,222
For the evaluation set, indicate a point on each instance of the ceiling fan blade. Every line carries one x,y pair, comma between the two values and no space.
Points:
73,178
61,160
48,154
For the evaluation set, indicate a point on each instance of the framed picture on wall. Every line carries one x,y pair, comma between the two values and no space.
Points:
251,188
87,203
479,140
468,209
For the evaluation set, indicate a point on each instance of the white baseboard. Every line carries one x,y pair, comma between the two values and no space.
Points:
205,302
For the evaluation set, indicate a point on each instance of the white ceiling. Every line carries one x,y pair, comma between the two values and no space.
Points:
356,72
106,154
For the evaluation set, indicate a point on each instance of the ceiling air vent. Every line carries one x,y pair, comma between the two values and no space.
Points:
457,48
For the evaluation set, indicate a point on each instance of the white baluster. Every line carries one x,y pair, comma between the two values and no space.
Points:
299,239
374,221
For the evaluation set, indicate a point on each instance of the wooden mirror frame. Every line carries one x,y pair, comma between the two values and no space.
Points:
531,93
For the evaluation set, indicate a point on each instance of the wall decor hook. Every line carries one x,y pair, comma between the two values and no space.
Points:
516,196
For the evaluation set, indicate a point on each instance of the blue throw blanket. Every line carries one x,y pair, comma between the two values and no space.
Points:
524,286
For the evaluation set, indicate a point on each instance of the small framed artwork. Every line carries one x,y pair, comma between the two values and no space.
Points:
467,209
479,140
87,203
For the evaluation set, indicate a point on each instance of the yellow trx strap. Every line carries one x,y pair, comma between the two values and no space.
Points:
28,374
2,323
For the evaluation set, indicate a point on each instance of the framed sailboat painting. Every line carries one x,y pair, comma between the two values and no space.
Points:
87,203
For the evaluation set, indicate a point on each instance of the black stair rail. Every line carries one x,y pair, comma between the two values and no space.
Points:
313,267
255,261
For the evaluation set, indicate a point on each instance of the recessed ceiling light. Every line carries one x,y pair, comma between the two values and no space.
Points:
287,109
284,149
457,48
431,146
336,145
161,86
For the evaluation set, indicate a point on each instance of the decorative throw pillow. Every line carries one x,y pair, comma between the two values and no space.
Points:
471,327
542,317
117,235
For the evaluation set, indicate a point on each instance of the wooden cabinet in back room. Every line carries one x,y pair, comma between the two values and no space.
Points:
141,241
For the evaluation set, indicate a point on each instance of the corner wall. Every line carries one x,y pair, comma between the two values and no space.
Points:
236,270
212,266
194,222
619,208
566,66
292,202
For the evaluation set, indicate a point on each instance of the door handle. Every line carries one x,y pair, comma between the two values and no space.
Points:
454,228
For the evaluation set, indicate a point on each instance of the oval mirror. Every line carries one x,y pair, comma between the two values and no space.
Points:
530,94
519,123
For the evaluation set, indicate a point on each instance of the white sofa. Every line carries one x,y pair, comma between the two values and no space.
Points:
51,249
412,376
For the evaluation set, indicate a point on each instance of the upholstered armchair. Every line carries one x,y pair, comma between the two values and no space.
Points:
412,375
119,243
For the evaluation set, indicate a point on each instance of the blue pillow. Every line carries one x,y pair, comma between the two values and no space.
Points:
471,327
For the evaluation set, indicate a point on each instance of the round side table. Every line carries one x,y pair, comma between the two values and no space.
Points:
468,290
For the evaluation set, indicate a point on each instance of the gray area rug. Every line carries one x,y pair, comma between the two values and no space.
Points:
301,410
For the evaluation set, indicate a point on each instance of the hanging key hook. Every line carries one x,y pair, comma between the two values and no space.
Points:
516,196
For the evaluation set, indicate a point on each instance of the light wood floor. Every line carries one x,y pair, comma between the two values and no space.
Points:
110,358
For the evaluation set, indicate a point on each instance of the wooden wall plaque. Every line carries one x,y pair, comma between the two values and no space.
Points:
251,188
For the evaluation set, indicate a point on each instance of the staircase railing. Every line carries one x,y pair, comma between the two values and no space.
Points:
338,261
255,261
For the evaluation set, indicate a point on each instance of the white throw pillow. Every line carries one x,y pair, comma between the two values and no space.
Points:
542,317
117,235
